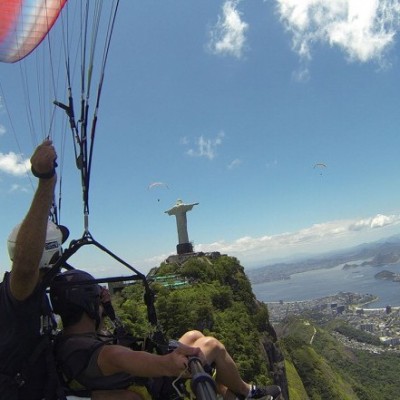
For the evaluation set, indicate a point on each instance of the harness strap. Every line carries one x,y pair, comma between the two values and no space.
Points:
54,384
44,348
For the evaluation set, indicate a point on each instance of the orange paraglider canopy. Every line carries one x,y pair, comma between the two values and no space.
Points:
24,24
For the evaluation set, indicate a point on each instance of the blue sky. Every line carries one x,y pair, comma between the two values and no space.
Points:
231,104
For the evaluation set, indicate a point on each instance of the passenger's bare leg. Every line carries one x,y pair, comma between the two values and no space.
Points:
190,337
227,373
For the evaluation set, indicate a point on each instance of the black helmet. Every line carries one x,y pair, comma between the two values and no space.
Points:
77,288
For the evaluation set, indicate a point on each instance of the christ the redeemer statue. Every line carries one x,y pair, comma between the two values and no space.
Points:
179,210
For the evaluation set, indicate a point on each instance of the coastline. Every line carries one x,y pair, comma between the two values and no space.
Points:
319,284
339,304
361,305
340,298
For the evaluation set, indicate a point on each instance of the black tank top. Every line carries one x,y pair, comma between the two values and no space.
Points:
77,354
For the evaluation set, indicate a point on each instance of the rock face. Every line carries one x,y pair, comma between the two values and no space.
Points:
276,361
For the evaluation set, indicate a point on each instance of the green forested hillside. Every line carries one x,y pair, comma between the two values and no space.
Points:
217,300
329,370
215,296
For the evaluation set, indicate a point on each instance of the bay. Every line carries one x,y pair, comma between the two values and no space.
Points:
330,281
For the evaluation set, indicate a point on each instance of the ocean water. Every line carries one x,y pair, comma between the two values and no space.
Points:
326,282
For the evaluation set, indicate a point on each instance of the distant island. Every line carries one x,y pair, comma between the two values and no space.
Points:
380,259
388,275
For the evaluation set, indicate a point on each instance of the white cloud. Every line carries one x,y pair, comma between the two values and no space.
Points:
315,239
234,164
154,261
14,164
378,221
206,147
363,29
228,35
18,188
2,127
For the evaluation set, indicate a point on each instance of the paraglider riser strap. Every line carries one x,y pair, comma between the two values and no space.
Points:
47,175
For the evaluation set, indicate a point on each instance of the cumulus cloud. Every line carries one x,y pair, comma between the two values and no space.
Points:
228,35
235,163
206,147
156,260
317,238
18,188
14,164
379,221
2,127
363,29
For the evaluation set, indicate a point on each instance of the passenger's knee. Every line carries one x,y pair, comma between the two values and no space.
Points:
190,337
212,343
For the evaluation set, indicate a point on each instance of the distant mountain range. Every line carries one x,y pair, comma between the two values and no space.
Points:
382,252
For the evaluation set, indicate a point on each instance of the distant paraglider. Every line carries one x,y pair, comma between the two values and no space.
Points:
320,166
155,185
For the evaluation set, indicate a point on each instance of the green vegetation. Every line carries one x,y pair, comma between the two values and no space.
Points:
296,388
329,370
356,334
218,301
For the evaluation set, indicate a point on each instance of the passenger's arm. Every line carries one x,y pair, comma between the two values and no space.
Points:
113,359
31,237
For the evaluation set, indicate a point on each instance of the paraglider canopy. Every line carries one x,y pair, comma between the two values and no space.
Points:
320,166
23,25
155,185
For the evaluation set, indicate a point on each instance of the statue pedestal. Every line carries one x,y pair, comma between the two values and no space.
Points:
184,248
